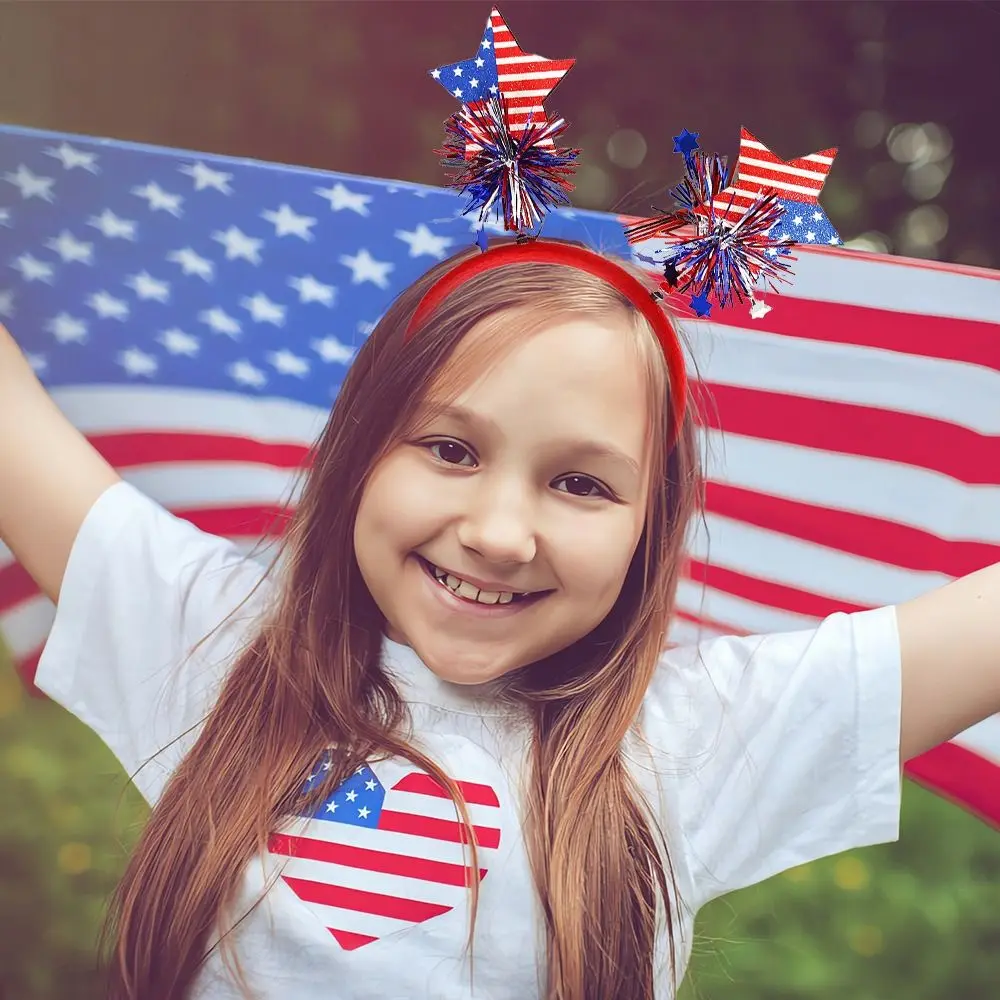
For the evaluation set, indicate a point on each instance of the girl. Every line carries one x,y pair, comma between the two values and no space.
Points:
440,750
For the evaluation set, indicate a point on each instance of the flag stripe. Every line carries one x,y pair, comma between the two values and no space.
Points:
365,902
854,429
437,829
371,860
423,784
858,534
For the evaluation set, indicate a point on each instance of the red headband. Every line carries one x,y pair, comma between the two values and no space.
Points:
570,255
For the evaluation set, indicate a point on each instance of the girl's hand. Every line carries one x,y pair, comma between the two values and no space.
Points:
49,473
950,646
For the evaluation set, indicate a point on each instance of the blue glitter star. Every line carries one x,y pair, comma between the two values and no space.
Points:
701,306
686,142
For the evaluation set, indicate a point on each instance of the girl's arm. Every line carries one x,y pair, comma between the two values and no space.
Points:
950,647
50,475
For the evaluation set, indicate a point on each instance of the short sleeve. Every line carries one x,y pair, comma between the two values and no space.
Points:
142,589
773,751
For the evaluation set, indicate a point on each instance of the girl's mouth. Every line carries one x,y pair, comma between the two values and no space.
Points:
471,594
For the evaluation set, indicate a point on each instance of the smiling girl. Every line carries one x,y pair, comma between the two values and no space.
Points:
442,751
442,748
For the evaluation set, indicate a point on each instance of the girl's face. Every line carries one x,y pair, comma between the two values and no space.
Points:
502,530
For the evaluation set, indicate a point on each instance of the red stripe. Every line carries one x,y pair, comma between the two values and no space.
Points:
539,64
251,521
138,448
440,872
767,593
974,342
348,940
857,534
424,784
436,829
376,903
15,586
962,776
852,429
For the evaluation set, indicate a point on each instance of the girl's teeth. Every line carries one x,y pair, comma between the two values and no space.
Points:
471,593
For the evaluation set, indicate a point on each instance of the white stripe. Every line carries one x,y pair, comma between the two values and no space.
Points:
519,92
777,558
872,281
107,409
859,279
369,881
952,391
503,45
736,613
435,808
359,923
983,738
520,60
894,492
541,75
783,168
406,844
26,626
184,484
767,182
687,633
814,157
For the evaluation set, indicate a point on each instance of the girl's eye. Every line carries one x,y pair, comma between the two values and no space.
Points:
451,453
581,486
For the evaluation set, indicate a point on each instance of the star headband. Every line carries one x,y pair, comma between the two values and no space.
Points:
724,237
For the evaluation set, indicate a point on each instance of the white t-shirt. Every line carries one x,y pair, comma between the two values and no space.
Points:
759,754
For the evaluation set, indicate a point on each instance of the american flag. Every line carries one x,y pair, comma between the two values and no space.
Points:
797,182
194,316
370,861
501,67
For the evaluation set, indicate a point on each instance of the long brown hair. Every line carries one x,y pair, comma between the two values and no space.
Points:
310,678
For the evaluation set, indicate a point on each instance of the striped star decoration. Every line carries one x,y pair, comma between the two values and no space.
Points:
501,66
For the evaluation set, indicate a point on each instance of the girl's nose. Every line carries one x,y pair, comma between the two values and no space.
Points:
499,525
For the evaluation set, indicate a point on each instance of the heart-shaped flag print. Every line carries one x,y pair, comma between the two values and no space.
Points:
371,861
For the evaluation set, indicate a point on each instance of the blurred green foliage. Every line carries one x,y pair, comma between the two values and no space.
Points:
918,919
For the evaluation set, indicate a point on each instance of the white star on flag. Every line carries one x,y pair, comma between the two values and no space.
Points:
70,249
219,321
158,199
287,223
341,197
311,290
67,329
263,310
422,241
137,362
112,226
364,267
178,342
245,373
205,177
147,287
33,269
332,350
238,245
192,263
31,185
71,157
107,306
288,364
